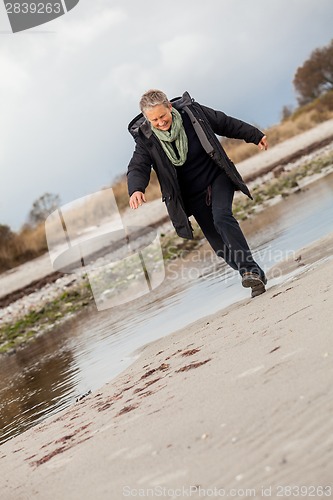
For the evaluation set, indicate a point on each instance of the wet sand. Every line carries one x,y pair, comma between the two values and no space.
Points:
239,402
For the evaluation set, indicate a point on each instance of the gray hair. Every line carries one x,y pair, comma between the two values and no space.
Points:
151,98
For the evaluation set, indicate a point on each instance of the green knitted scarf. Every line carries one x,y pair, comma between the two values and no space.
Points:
177,133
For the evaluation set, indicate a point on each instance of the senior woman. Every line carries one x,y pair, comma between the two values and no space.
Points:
177,138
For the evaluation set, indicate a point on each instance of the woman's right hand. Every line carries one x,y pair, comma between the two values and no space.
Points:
137,199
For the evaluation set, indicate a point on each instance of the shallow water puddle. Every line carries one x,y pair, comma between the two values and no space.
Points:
88,351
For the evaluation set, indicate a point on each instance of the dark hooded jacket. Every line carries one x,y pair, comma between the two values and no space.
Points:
149,154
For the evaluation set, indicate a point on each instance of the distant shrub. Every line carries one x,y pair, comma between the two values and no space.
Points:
302,119
17,248
315,77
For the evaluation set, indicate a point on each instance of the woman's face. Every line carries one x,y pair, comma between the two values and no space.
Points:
160,116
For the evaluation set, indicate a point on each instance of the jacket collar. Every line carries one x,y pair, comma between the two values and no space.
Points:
140,122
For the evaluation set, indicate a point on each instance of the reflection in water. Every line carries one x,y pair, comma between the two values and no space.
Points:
30,382
91,349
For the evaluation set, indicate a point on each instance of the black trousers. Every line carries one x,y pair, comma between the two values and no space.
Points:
212,210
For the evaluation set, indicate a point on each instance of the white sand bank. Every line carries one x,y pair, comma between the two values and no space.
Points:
237,401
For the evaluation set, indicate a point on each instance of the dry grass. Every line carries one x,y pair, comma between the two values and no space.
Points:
22,246
304,118
31,242
76,217
121,194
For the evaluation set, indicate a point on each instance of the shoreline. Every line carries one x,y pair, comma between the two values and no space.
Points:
239,399
27,319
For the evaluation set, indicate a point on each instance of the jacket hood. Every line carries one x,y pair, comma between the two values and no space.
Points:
140,122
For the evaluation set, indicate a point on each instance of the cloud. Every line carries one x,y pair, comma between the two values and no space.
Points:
14,77
80,33
69,89
183,51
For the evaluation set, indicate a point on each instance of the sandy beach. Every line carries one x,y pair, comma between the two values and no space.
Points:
238,404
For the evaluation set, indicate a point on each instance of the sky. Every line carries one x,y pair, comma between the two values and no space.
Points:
69,88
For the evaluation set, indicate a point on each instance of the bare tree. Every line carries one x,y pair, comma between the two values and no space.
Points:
287,111
43,207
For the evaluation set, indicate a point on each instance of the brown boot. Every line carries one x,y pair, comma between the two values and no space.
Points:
254,281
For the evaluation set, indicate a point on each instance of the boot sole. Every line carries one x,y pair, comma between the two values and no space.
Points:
258,290
251,281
